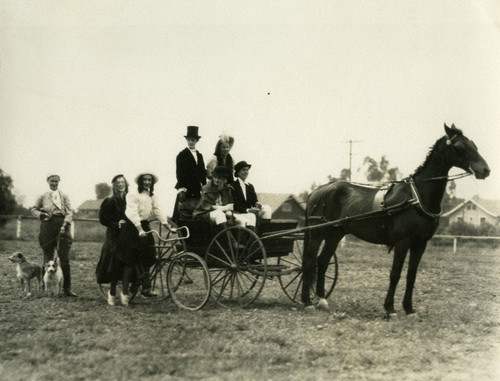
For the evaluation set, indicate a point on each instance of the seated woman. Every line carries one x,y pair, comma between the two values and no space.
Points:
245,198
216,203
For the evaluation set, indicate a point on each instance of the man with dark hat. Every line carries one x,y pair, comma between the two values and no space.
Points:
245,197
191,176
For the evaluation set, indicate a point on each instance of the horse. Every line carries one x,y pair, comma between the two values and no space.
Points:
404,219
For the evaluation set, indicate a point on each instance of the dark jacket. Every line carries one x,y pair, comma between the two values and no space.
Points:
209,195
240,204
111,212
189,174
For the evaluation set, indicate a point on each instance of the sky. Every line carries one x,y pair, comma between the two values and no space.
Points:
93,89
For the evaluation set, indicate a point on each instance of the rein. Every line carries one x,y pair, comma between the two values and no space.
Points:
406,180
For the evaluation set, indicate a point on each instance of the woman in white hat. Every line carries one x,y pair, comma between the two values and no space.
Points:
136,247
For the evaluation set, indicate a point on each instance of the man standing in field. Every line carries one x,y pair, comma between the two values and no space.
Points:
53,208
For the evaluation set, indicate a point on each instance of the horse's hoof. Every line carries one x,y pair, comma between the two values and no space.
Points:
310,308
323,305
390,315
412,316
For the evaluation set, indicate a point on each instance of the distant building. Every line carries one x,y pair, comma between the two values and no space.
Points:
90,209
475,211
285,206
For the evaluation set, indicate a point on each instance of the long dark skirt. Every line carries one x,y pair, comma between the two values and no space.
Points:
133,249
109,268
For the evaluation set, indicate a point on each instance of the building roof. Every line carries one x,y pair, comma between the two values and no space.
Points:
91,204
275,200
491,207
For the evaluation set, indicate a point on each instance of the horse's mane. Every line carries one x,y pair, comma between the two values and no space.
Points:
432,150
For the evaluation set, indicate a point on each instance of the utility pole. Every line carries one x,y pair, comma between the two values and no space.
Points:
350,155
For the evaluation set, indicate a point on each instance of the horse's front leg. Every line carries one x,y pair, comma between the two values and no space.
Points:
415,256
309,268
397,266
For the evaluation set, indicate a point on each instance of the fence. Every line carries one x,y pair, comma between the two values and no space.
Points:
456,238
27,228
89,229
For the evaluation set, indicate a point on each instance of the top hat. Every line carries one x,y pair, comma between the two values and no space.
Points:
155,178
192,132
240,165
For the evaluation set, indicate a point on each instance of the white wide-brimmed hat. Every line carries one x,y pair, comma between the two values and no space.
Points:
155,178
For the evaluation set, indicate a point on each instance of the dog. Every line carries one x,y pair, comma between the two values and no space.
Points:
53,278
25,271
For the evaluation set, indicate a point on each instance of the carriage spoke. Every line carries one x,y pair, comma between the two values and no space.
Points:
294,278
225,281
221,276
210,256
221,248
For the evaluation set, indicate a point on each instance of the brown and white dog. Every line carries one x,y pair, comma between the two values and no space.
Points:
26,271
53,278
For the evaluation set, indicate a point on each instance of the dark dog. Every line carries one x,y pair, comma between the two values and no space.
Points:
26,271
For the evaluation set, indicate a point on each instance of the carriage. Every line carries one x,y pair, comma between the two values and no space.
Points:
198,263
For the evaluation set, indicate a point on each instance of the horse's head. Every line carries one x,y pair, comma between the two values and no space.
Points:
465,153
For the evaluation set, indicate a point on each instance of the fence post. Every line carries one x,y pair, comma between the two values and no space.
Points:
454,245
18,229
72,229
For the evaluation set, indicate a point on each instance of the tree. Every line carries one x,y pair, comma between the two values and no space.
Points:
449,200
102,190
380,171
7,200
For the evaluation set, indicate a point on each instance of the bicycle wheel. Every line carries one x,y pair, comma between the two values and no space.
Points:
188,281
158,272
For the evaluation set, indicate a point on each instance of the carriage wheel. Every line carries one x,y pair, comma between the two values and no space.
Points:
158,272
238,266
188,281
291,278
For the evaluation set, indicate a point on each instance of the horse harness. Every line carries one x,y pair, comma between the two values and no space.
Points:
380,207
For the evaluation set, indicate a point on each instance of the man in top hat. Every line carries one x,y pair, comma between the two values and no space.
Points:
245,197
191,176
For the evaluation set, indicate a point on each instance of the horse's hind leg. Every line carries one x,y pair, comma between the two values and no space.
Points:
331,243
311,247
415,256
397,266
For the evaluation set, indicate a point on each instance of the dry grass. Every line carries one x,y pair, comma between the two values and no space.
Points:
455,337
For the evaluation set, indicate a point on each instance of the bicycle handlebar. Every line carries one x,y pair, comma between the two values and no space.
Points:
174,231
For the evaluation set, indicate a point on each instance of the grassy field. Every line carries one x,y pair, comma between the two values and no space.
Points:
455,337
